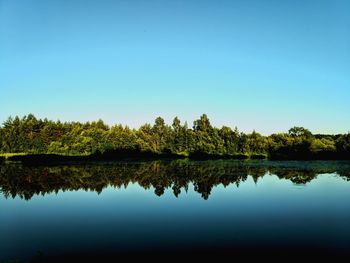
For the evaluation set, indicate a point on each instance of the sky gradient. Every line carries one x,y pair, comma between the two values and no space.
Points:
263,65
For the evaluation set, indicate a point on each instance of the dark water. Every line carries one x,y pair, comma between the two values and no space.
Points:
174,208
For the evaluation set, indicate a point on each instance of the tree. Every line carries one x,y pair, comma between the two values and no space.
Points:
257,143
299,131
161,134
343,145
203,124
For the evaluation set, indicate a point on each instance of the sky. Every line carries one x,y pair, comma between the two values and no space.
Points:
263,65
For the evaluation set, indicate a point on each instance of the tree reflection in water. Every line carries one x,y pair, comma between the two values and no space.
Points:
27,181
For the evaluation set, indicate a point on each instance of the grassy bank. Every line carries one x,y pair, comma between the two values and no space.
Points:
127,155
42,159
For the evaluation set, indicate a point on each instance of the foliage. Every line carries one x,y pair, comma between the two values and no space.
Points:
36,136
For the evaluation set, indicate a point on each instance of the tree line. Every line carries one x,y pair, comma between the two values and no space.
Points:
31,135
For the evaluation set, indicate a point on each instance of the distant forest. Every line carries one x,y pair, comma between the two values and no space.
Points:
202,141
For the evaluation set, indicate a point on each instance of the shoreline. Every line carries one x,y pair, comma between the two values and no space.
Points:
49,159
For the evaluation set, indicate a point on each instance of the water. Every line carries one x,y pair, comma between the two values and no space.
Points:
211,207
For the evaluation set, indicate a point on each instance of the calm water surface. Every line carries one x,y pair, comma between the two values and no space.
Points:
172,207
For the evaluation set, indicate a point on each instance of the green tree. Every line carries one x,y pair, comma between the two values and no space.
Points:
299,131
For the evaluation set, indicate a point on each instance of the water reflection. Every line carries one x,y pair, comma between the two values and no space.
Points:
25,181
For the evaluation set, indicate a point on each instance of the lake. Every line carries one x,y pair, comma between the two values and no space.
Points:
181,207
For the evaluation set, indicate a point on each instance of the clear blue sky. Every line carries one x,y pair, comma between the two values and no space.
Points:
264,65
